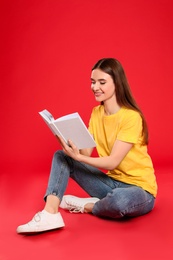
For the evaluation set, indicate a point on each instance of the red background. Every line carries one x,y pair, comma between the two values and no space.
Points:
47,51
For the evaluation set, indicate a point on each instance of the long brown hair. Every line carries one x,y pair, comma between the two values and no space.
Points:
124,96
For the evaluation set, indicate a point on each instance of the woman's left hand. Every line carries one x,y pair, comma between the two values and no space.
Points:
70,150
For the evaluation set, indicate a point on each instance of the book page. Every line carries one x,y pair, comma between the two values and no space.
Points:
46,115
48,119
69,116
70,127
75,130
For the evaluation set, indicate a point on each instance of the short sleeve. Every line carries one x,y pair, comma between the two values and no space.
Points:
131,128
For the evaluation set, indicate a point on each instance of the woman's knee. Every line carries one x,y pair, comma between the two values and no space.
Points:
131,202
111,206
118,202
59,156
122,202
59,153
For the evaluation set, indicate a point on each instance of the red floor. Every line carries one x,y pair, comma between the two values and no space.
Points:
85,236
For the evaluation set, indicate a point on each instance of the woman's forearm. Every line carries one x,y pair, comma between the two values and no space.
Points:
107,162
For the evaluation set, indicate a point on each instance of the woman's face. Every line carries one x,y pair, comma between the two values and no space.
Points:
102,85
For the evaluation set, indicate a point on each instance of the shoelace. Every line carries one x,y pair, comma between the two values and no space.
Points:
74,208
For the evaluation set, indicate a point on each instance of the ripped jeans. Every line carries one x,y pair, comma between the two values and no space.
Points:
117,199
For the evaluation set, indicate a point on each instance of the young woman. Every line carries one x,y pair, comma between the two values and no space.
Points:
129,187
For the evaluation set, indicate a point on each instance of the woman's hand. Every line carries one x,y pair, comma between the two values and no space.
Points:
70,150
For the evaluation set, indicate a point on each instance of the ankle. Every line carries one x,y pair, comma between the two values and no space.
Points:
88,207
52,204
51,210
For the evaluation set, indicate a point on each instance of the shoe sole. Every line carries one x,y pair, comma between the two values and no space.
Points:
39,231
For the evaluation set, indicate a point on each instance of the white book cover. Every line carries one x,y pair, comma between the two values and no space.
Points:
71,127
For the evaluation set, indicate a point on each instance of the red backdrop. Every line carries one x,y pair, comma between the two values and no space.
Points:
47,51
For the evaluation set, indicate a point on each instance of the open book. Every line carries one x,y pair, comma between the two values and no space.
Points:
69,127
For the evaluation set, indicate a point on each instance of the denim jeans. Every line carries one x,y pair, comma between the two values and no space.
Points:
117,199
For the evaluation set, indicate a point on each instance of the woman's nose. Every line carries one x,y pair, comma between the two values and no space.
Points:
95,86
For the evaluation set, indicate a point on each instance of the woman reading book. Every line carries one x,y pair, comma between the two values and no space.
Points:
128,188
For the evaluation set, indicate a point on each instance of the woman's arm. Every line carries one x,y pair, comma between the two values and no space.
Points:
119,151
86,152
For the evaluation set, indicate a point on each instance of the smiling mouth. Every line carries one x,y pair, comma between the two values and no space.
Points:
98,94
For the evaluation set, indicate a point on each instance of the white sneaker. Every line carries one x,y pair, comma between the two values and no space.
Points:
42,221
75,204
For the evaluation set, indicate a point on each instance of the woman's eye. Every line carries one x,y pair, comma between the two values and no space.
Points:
102,82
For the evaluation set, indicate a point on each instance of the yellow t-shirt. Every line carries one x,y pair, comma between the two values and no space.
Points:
126,125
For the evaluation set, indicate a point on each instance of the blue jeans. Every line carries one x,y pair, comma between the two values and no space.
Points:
117,199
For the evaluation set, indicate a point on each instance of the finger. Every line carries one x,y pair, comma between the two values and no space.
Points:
72,145
61,141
